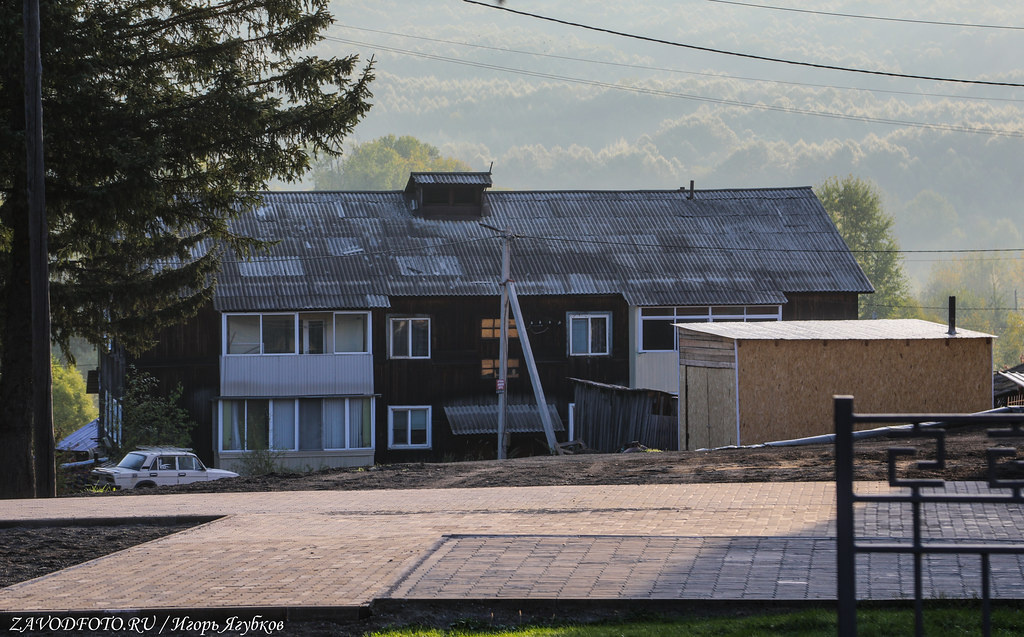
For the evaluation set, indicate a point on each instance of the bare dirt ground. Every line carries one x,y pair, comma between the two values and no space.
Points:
26,553
965,451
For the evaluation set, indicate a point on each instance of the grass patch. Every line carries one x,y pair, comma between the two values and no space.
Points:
880,622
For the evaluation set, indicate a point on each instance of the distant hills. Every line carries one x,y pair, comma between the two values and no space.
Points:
558,107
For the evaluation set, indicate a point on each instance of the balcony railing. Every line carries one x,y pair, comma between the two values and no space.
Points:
297,375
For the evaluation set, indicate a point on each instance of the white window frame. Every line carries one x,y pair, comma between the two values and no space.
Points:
392,320
410,408
245,423
710,314
347,434
295,423
607,316
329,348
367,337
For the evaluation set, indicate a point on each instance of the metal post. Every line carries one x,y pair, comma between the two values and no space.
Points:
531,365
502,388
846,562
986,596
39,271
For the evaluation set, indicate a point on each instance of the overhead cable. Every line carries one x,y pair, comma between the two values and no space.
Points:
871,17
645,67
699,98
749,56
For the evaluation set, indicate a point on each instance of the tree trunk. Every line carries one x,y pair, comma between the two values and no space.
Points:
16,461
17,473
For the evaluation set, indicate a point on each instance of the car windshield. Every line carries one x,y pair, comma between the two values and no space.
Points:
132,461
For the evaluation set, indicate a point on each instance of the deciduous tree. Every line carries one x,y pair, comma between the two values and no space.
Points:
383,164
855,206
162,120
986,294
72,407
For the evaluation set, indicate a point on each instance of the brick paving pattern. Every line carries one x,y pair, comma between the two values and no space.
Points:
345,549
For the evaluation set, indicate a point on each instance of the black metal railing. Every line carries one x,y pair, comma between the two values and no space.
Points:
921,491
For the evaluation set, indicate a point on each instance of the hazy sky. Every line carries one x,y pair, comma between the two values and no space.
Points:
556,106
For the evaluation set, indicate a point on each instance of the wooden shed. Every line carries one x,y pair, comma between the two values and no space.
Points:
607,417
748,383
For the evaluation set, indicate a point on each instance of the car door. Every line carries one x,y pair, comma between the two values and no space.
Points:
190,470
164,471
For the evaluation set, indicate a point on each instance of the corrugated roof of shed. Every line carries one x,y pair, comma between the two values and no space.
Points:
356,249
450,179
862,330
483,419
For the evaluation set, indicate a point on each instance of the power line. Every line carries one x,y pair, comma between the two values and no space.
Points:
645,67
870,17
959,308
699,98
749,56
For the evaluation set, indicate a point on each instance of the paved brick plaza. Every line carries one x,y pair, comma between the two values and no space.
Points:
346,548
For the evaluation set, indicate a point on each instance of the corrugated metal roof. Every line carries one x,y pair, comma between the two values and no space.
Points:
1016,378
82,439
861,330
483,419
355,249
453,179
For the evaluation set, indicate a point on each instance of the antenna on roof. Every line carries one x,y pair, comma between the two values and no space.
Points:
490,167
952,316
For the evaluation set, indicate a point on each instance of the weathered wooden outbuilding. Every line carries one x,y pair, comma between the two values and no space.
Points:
607,417
1008,387
748,383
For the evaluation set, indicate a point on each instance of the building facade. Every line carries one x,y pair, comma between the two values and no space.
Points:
368,330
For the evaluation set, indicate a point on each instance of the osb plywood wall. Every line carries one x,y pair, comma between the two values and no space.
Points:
786,387
705,350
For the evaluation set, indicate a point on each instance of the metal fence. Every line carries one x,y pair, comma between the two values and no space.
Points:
915,494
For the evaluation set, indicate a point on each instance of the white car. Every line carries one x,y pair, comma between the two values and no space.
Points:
156,467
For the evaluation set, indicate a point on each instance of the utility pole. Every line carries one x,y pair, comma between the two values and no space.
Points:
506,276
39,277
509,297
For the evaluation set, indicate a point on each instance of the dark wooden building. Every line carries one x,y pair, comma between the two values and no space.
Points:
368,331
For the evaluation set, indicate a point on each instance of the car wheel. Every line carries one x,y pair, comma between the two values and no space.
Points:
145,485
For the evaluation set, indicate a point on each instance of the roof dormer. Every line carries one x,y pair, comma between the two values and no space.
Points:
447,195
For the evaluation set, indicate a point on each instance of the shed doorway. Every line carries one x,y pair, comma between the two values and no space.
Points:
709,398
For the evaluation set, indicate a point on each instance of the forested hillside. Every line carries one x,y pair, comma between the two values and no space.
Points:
558,106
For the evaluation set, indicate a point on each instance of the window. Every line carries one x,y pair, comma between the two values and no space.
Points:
243,334
410,337
491,328
658,335
589,334
313,332
279,334
409,427
489,368
244,424
297,333
297,424
464,196
283,417
351,333
436,197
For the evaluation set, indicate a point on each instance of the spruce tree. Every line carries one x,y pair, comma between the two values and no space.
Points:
162,119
